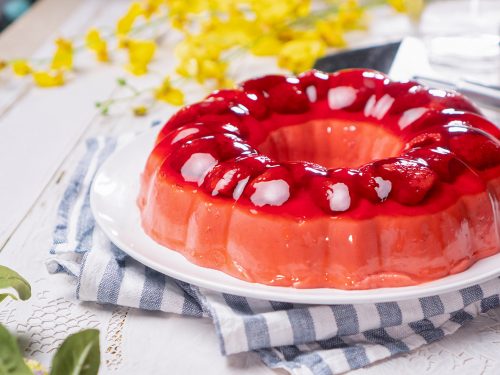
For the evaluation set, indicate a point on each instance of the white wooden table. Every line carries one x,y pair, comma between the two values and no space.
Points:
42,135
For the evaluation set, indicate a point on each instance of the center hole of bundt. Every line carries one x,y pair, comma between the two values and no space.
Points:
331,143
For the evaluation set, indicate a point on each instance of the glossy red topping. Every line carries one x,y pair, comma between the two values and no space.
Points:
211,144
408,181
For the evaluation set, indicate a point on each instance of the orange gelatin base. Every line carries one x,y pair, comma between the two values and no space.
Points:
336,252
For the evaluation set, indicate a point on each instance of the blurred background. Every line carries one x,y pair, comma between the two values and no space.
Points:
10,10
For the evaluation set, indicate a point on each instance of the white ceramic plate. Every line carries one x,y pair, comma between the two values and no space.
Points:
113,201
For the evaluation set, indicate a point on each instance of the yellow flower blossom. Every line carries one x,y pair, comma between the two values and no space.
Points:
300,54
184,8
225,6
21,68
276,12
181,12
178,22
48,78
96,43
331,32
202,69
140,53
123,42
222,35
413,8
196,48
211,69
225,83
36,367
200,57
140,111
169,94
266,45
63,57
351,15
152,7
126,23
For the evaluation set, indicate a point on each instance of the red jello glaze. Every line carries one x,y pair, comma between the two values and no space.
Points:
405,180
406,189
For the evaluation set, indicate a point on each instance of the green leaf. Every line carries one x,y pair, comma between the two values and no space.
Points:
79,354
11,360
11,279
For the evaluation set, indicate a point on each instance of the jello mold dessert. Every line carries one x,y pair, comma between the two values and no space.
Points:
346,180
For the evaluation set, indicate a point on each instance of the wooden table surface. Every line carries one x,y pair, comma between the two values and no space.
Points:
42,135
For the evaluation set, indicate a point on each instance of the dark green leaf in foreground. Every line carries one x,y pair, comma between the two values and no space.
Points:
11,360
79,354
11,279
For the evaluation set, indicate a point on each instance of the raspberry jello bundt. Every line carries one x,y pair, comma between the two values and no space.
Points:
346,180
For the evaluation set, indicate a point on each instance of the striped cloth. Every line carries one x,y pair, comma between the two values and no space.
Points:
302,339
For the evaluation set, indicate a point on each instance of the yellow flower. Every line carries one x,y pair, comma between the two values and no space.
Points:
126,23
36,367
266,45
196,48
152,7
275,12
413,8
63,57
199,58
351,15
169,94
21,68
48,78
225,83
331,32
215,69
222,35
300,54
140,53
223,5
183,8
123,42
96,43
181,12
202,69
178,22
140,111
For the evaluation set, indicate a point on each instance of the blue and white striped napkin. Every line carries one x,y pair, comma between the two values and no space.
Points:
302,339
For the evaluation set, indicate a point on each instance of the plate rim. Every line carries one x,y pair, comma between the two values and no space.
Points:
323,296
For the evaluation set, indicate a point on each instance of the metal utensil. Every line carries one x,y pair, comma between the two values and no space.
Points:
488,95
378,57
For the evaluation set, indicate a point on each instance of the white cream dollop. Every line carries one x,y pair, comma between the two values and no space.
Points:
197,166
338,197
272,193
341,97
384,187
